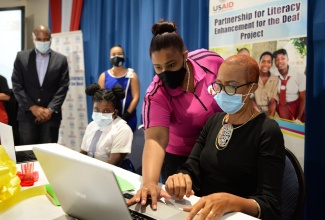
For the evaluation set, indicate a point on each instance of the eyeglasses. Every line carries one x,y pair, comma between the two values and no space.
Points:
229,89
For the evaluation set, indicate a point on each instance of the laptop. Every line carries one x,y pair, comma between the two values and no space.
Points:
87,188
7,140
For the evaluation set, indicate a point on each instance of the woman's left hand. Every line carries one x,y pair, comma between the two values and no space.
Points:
213,206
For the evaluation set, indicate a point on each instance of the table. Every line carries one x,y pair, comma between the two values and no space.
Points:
40,207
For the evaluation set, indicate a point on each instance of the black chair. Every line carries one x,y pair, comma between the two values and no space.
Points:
293,189
137,149
127,165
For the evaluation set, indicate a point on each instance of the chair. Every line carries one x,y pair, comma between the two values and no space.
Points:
293,189
137,149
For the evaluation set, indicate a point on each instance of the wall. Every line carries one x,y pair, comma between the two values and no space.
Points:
36,12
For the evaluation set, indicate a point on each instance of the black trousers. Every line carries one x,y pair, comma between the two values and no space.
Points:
38,133
171,163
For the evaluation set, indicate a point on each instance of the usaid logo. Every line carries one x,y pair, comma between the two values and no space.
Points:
67,49
78,38
71,125
82,133
73,142
80,97
70,106
223,6
81,115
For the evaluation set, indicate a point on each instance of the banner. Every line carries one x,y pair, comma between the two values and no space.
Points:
267,25
74,109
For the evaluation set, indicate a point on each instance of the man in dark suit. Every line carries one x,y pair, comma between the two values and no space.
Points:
40,82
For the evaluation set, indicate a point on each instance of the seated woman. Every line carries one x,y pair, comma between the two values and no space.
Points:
108,137
237,163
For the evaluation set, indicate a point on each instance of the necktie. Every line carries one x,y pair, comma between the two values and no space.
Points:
283,90
93,144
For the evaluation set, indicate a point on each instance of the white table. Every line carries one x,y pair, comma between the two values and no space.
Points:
40,207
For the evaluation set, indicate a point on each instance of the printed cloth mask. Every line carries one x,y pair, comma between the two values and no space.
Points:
230,103
117,60
173,79
42,47
102,119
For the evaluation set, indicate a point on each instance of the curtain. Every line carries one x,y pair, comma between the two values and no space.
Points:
315,108
105,23
64,15
55,16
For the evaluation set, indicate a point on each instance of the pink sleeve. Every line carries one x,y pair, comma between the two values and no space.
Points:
156,109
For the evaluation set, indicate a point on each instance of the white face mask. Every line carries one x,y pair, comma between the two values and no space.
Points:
42,47
102,119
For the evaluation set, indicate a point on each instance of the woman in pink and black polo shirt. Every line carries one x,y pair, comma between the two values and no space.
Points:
176,105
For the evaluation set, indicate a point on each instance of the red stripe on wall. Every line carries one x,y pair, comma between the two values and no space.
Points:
55,8
76,14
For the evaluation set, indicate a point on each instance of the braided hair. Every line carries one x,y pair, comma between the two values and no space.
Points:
98,94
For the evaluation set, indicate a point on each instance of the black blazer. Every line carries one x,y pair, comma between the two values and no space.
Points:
27,89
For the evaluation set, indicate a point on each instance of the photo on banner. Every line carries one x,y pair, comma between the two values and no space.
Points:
268,25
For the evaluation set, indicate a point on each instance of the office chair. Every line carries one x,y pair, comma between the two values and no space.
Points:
137,149
293,189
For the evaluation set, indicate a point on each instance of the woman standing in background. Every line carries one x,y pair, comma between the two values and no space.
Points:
128,79
4,96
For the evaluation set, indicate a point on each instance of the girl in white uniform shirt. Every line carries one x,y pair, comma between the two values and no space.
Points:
114,144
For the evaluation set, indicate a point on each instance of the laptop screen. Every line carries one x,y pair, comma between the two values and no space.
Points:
7,140
86,187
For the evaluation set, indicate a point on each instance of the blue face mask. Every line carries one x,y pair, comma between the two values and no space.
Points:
230,103
42,47
102,119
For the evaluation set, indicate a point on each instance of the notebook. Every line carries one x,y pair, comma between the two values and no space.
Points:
7,140
87,188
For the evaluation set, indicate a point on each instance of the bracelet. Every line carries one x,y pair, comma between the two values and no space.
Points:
258,209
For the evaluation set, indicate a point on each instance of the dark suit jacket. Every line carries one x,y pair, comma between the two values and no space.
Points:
28,91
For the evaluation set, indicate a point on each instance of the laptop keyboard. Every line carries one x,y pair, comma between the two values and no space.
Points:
134,214
138,216
25,156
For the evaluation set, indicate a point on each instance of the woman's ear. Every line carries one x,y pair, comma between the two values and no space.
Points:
115,113
254,87
185,54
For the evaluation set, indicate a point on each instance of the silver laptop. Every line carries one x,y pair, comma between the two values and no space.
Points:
87,188
7,140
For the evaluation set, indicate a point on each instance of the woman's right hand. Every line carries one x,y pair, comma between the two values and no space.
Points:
150,189
179,185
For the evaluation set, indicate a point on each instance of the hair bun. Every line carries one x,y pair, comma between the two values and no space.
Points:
92,89
163,26
118,92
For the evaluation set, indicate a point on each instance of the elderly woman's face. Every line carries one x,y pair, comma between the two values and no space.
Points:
234,75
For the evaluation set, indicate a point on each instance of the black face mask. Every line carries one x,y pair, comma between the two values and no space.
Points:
173,79
117,60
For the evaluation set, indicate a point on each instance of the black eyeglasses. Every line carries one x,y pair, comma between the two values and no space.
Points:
229,89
